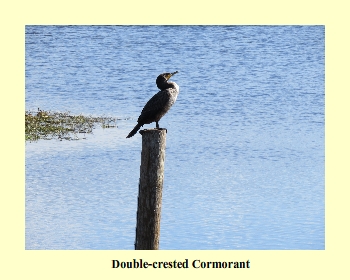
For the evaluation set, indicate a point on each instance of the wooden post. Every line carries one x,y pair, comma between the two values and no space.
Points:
150,189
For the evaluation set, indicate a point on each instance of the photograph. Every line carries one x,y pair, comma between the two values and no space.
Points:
222,125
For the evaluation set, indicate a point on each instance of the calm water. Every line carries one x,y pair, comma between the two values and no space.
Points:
244,162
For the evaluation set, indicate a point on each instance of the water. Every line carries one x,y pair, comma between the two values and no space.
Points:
244,162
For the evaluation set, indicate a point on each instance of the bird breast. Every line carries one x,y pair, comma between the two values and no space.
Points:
176,92
176,87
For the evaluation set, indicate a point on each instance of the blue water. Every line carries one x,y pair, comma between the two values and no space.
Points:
244,165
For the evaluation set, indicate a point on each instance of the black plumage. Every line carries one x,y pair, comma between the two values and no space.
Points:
159,104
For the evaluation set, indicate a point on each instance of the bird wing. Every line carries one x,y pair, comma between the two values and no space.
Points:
156,107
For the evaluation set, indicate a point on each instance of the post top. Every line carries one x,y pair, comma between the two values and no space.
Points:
153,130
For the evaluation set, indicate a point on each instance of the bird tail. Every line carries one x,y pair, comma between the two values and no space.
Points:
133,132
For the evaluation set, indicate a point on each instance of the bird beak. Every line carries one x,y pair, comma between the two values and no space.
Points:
169,75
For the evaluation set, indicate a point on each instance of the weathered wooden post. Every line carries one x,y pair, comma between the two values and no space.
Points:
150,189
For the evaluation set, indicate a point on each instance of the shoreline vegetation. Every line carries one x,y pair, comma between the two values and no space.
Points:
62,126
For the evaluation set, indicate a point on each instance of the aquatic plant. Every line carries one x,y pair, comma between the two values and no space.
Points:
63,126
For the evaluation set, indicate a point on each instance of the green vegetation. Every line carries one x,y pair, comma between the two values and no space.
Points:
52,125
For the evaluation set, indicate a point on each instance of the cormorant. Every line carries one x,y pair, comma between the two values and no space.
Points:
159,104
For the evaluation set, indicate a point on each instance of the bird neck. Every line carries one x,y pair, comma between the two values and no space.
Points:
164,84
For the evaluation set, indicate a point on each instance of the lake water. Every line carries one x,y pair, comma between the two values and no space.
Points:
244,166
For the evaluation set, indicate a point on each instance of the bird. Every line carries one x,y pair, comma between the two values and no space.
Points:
159,104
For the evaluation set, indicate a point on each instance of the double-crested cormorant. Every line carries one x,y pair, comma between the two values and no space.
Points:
159,104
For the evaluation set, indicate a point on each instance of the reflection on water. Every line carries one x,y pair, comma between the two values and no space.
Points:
245,145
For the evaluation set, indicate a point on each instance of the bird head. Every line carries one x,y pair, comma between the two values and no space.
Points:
167,76
163,78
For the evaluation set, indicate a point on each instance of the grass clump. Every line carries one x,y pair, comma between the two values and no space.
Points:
63,126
